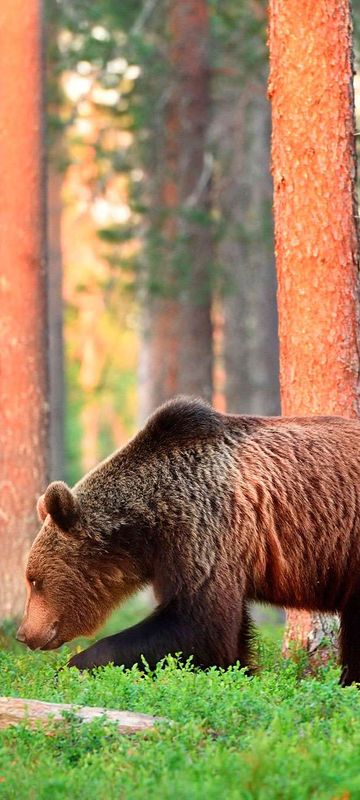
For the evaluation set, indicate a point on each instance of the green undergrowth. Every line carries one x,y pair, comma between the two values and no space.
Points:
278,735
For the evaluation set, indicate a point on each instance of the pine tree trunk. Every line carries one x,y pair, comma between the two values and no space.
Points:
189,109
177,327
251,350
158,369
23,379
313,161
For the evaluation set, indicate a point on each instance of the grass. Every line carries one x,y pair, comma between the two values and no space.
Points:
279,735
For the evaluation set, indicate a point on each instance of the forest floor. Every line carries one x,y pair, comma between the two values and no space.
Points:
281,735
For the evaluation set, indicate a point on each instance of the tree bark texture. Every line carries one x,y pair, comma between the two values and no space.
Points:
23,373
177,326
250,338
313,158
313,164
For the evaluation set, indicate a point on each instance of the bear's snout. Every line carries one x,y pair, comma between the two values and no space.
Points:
38,641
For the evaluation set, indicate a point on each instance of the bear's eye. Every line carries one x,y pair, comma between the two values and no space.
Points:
35,583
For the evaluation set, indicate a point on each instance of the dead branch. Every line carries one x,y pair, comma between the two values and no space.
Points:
14,710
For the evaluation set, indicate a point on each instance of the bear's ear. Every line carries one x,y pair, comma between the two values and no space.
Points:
62,505
41,508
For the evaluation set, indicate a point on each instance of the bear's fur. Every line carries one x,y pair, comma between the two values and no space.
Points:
213,511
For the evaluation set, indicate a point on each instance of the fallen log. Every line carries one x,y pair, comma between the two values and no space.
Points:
15,709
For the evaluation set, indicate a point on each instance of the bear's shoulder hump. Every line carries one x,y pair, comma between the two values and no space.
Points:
184,419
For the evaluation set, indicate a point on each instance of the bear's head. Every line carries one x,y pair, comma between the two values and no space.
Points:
74,576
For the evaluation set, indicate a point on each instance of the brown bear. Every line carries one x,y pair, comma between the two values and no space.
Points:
213,511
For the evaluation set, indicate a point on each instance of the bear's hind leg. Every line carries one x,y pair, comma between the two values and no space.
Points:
247,635
350,642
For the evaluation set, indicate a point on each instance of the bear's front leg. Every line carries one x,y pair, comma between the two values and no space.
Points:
211,641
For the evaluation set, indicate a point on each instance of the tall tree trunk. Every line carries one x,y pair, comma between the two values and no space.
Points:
188,119
313,159
158,369
23,380
177,325
251,350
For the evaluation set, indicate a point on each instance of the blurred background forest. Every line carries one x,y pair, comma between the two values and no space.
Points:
159,216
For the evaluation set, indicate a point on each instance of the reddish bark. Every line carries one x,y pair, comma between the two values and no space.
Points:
314,203
313,161
23,379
